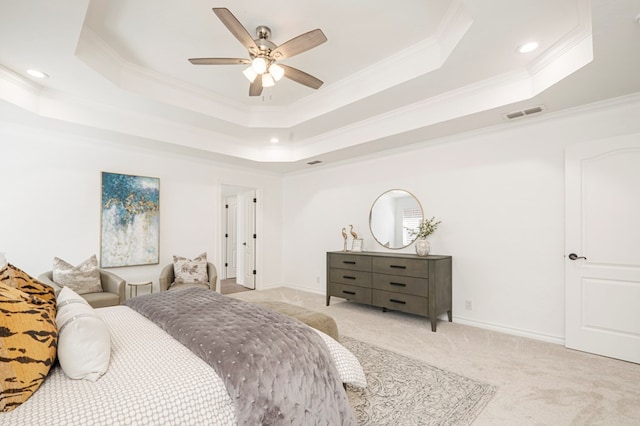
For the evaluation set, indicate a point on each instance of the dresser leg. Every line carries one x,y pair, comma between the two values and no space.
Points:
433,324
328,299
450,315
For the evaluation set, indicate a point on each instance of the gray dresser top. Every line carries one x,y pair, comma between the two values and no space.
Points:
388,254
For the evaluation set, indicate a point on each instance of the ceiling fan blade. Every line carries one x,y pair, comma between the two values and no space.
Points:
256,87
236,28
301,77
299,44
218,61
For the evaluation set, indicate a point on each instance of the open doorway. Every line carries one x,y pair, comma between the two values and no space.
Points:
239,245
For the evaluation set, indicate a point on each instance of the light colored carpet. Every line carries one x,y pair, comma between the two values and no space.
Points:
402,391
537,383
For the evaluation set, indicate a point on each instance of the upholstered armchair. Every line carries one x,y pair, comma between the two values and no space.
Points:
112,294
167,278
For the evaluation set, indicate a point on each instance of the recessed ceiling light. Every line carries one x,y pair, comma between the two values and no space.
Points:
274,140
37,74
528,47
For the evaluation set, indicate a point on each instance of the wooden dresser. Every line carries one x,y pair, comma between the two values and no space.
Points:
399,282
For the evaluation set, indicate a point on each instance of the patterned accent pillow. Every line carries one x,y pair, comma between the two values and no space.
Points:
28,341
190,270
83,279
17,278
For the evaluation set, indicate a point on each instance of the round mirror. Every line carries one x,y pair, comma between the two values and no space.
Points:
394,218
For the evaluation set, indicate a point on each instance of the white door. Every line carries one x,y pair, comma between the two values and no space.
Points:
231,237
242,238
602,184
250,242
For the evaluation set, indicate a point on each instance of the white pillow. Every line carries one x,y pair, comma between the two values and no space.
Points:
190,270
83,279
84,342
349,368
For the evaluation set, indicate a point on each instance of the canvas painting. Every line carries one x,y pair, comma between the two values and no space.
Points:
130,220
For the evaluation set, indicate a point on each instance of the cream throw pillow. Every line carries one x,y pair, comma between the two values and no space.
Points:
84,341
84,278
190,270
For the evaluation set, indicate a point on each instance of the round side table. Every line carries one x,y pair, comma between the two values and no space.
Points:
135,285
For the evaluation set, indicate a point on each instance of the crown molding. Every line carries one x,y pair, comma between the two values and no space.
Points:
414,61
19,90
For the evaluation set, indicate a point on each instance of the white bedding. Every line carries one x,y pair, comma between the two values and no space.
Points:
152,379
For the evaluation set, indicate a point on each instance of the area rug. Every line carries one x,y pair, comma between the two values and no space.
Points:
404,391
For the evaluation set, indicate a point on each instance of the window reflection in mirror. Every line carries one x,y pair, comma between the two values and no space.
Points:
394,218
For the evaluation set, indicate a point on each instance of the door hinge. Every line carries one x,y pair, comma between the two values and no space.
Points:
226,206
255,200
226,235
254,236
254,272
226,265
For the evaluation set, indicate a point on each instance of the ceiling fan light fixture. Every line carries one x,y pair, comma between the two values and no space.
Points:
263,54
259,65
267,80
276,71
250,74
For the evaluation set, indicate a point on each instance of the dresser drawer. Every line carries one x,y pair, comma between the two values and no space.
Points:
350,261
400,284
350,292
401,302
400,266
345,276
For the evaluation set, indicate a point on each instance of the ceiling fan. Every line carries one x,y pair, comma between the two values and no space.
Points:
264,71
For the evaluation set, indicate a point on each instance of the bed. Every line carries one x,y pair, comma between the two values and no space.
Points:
153,378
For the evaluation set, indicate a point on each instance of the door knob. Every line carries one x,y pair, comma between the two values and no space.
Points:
574,256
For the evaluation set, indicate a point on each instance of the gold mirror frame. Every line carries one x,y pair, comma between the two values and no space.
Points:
393,214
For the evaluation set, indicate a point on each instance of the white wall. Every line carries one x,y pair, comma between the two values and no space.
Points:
500,196
50,183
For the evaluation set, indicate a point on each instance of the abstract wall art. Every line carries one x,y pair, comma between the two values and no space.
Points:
130,220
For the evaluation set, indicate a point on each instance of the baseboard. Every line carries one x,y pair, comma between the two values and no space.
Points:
510,330
559,340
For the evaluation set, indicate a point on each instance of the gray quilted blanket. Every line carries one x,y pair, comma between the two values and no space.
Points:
276,369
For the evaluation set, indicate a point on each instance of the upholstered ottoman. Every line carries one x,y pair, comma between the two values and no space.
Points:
314,319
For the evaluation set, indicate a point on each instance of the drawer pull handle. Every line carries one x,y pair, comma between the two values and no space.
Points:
402,302
348,277
398,284
398,266
353,293
349,262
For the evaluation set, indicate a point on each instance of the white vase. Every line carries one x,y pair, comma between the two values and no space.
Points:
422,247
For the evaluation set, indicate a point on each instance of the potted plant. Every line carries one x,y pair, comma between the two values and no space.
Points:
426,228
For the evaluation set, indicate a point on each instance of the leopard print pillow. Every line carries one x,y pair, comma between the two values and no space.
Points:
28,342
17,278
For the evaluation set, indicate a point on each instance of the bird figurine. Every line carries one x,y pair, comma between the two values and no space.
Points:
344,235
353,233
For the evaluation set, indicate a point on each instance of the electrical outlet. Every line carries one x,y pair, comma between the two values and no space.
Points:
468,305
